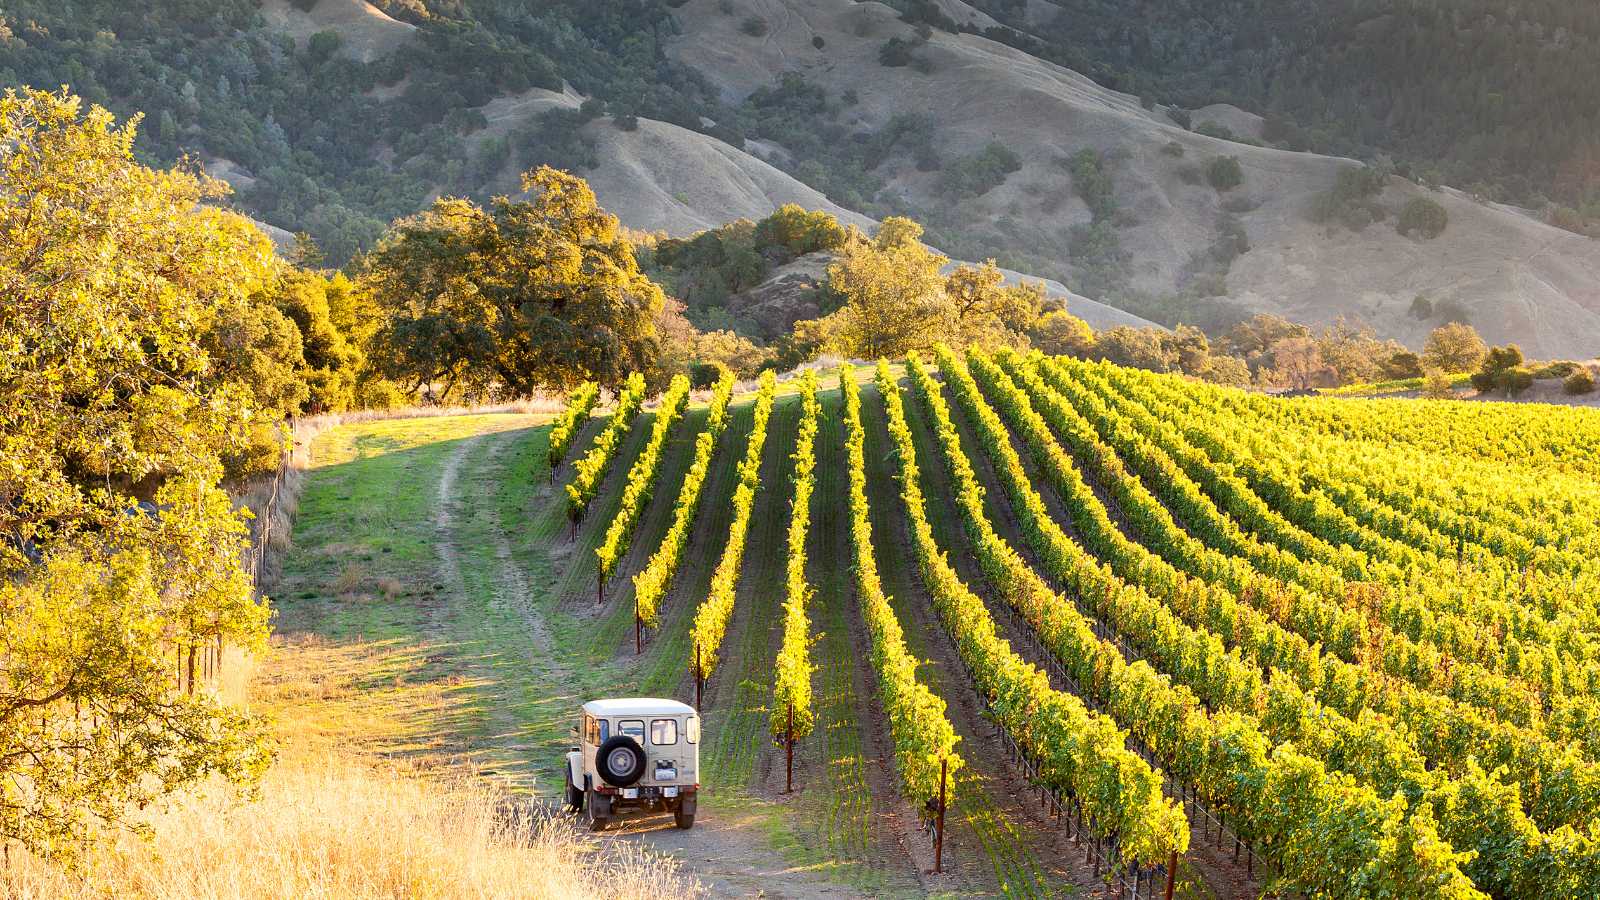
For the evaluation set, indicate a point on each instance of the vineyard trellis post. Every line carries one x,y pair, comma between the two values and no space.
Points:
788,744
1172,872
638,629
699,676
938,834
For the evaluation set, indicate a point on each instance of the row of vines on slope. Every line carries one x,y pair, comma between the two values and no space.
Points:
1463,604
1512,851
792,714
1536,586
1078,753
923,736
592,467
1449,734
652,582
1353,637
1409,628
711,618
642,479
1329,835
1558,786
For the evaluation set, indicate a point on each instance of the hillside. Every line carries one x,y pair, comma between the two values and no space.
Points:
368,34
1513,277
1516,278
732,107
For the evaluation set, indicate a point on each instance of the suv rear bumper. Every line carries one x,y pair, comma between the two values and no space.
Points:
648,793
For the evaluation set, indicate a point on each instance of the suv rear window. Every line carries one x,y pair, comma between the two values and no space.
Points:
663,732
633,728
693,730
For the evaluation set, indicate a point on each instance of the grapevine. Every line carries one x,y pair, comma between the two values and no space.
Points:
651,583
579,404
711,619
642,478
588,471
791,693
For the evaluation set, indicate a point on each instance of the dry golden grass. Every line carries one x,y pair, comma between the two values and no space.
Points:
365,801
334,826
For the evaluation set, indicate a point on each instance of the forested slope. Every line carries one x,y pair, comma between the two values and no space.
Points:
335,116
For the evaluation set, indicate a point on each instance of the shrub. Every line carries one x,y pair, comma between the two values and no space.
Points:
1451,311
1173,148
1424,216
1516,380
818,42
1189,175
1356,218
1179,117
1421,308
1581,381
1436,386
895,53
1093,183
1558,369
1569,219
1404,364
799,231
705,375
1350,200
755,26
1224,174
1502,370
1059,333
980,172
1455,347
323,45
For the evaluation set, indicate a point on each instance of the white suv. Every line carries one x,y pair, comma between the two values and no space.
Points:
638,753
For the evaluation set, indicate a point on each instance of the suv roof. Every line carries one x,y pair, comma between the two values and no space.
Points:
637,706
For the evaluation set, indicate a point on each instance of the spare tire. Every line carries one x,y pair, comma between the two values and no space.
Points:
620,761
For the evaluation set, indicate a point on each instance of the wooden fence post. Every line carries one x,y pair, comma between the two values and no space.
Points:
1172,872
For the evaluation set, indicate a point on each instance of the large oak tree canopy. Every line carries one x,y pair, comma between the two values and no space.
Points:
120,349
525,295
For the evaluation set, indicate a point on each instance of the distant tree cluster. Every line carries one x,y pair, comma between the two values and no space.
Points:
706,269
898,299
980,172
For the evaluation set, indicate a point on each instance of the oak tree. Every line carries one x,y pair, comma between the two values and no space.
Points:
543,293
119,551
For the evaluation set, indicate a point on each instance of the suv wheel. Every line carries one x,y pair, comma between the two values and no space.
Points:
683,819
